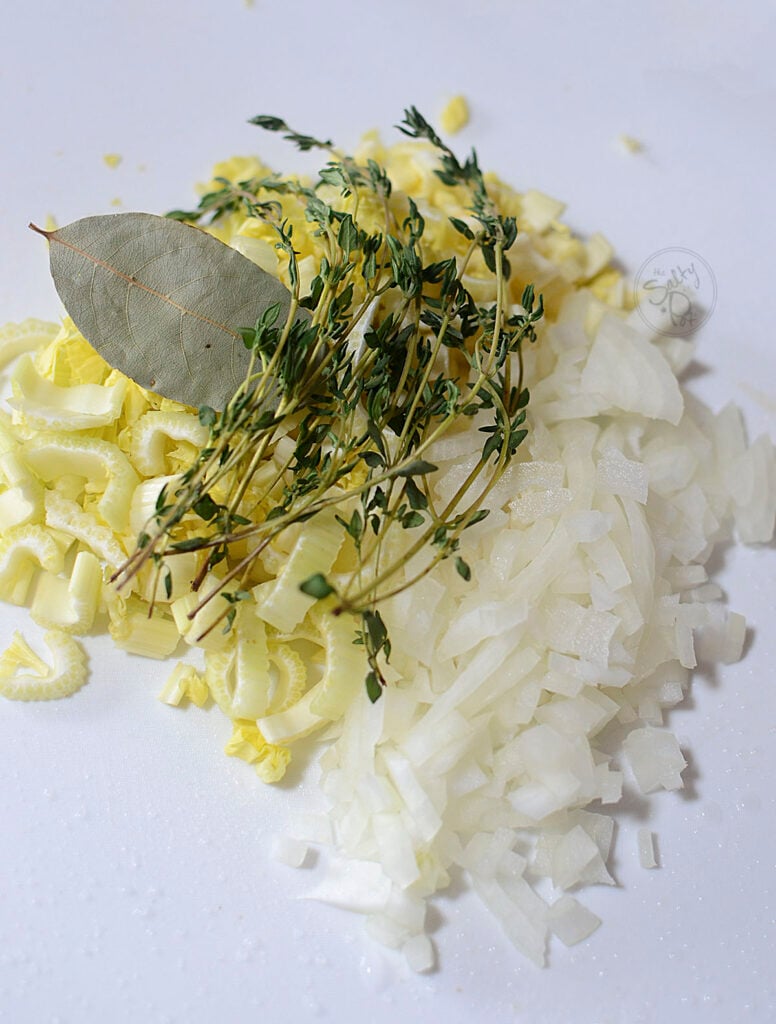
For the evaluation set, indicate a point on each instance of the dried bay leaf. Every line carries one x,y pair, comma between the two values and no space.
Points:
163,302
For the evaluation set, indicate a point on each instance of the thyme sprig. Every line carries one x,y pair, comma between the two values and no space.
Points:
341,411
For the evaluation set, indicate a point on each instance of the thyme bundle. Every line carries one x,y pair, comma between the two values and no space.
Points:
349,384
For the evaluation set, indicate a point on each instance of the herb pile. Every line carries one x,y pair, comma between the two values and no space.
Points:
394,353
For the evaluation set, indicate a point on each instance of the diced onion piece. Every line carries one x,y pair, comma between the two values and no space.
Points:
67,674
735,637
573,853
628,372
353,884
287,850
655,758
570,921
646,848
419,953
616,474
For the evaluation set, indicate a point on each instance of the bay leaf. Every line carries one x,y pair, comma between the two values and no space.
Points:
163,302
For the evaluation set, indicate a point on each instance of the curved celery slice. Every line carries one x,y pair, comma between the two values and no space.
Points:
69,604
346,665
52,455
68,517
282,604
239,678
66,675
292,673
24,337
40,404
153,430
22,550
22,501
330,697
293,723
21,505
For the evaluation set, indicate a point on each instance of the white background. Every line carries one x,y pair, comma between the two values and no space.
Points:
135,877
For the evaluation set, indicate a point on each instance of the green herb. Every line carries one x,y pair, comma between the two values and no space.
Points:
396,353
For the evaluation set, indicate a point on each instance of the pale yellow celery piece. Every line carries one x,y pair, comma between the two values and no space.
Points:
21,505
328,699
69,604
454,116
538,211
52,455
192,629
67,674
269,759
184,681
27,336
152,432
599,253
133,631
293,723
22,500
8,439
251,695
142,507
346,664
292,675
182,570
67,516
197,691
70,359
240,678
219,667
41,405
283,605
19,654
22,550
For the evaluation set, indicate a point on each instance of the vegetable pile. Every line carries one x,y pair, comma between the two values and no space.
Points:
441,503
